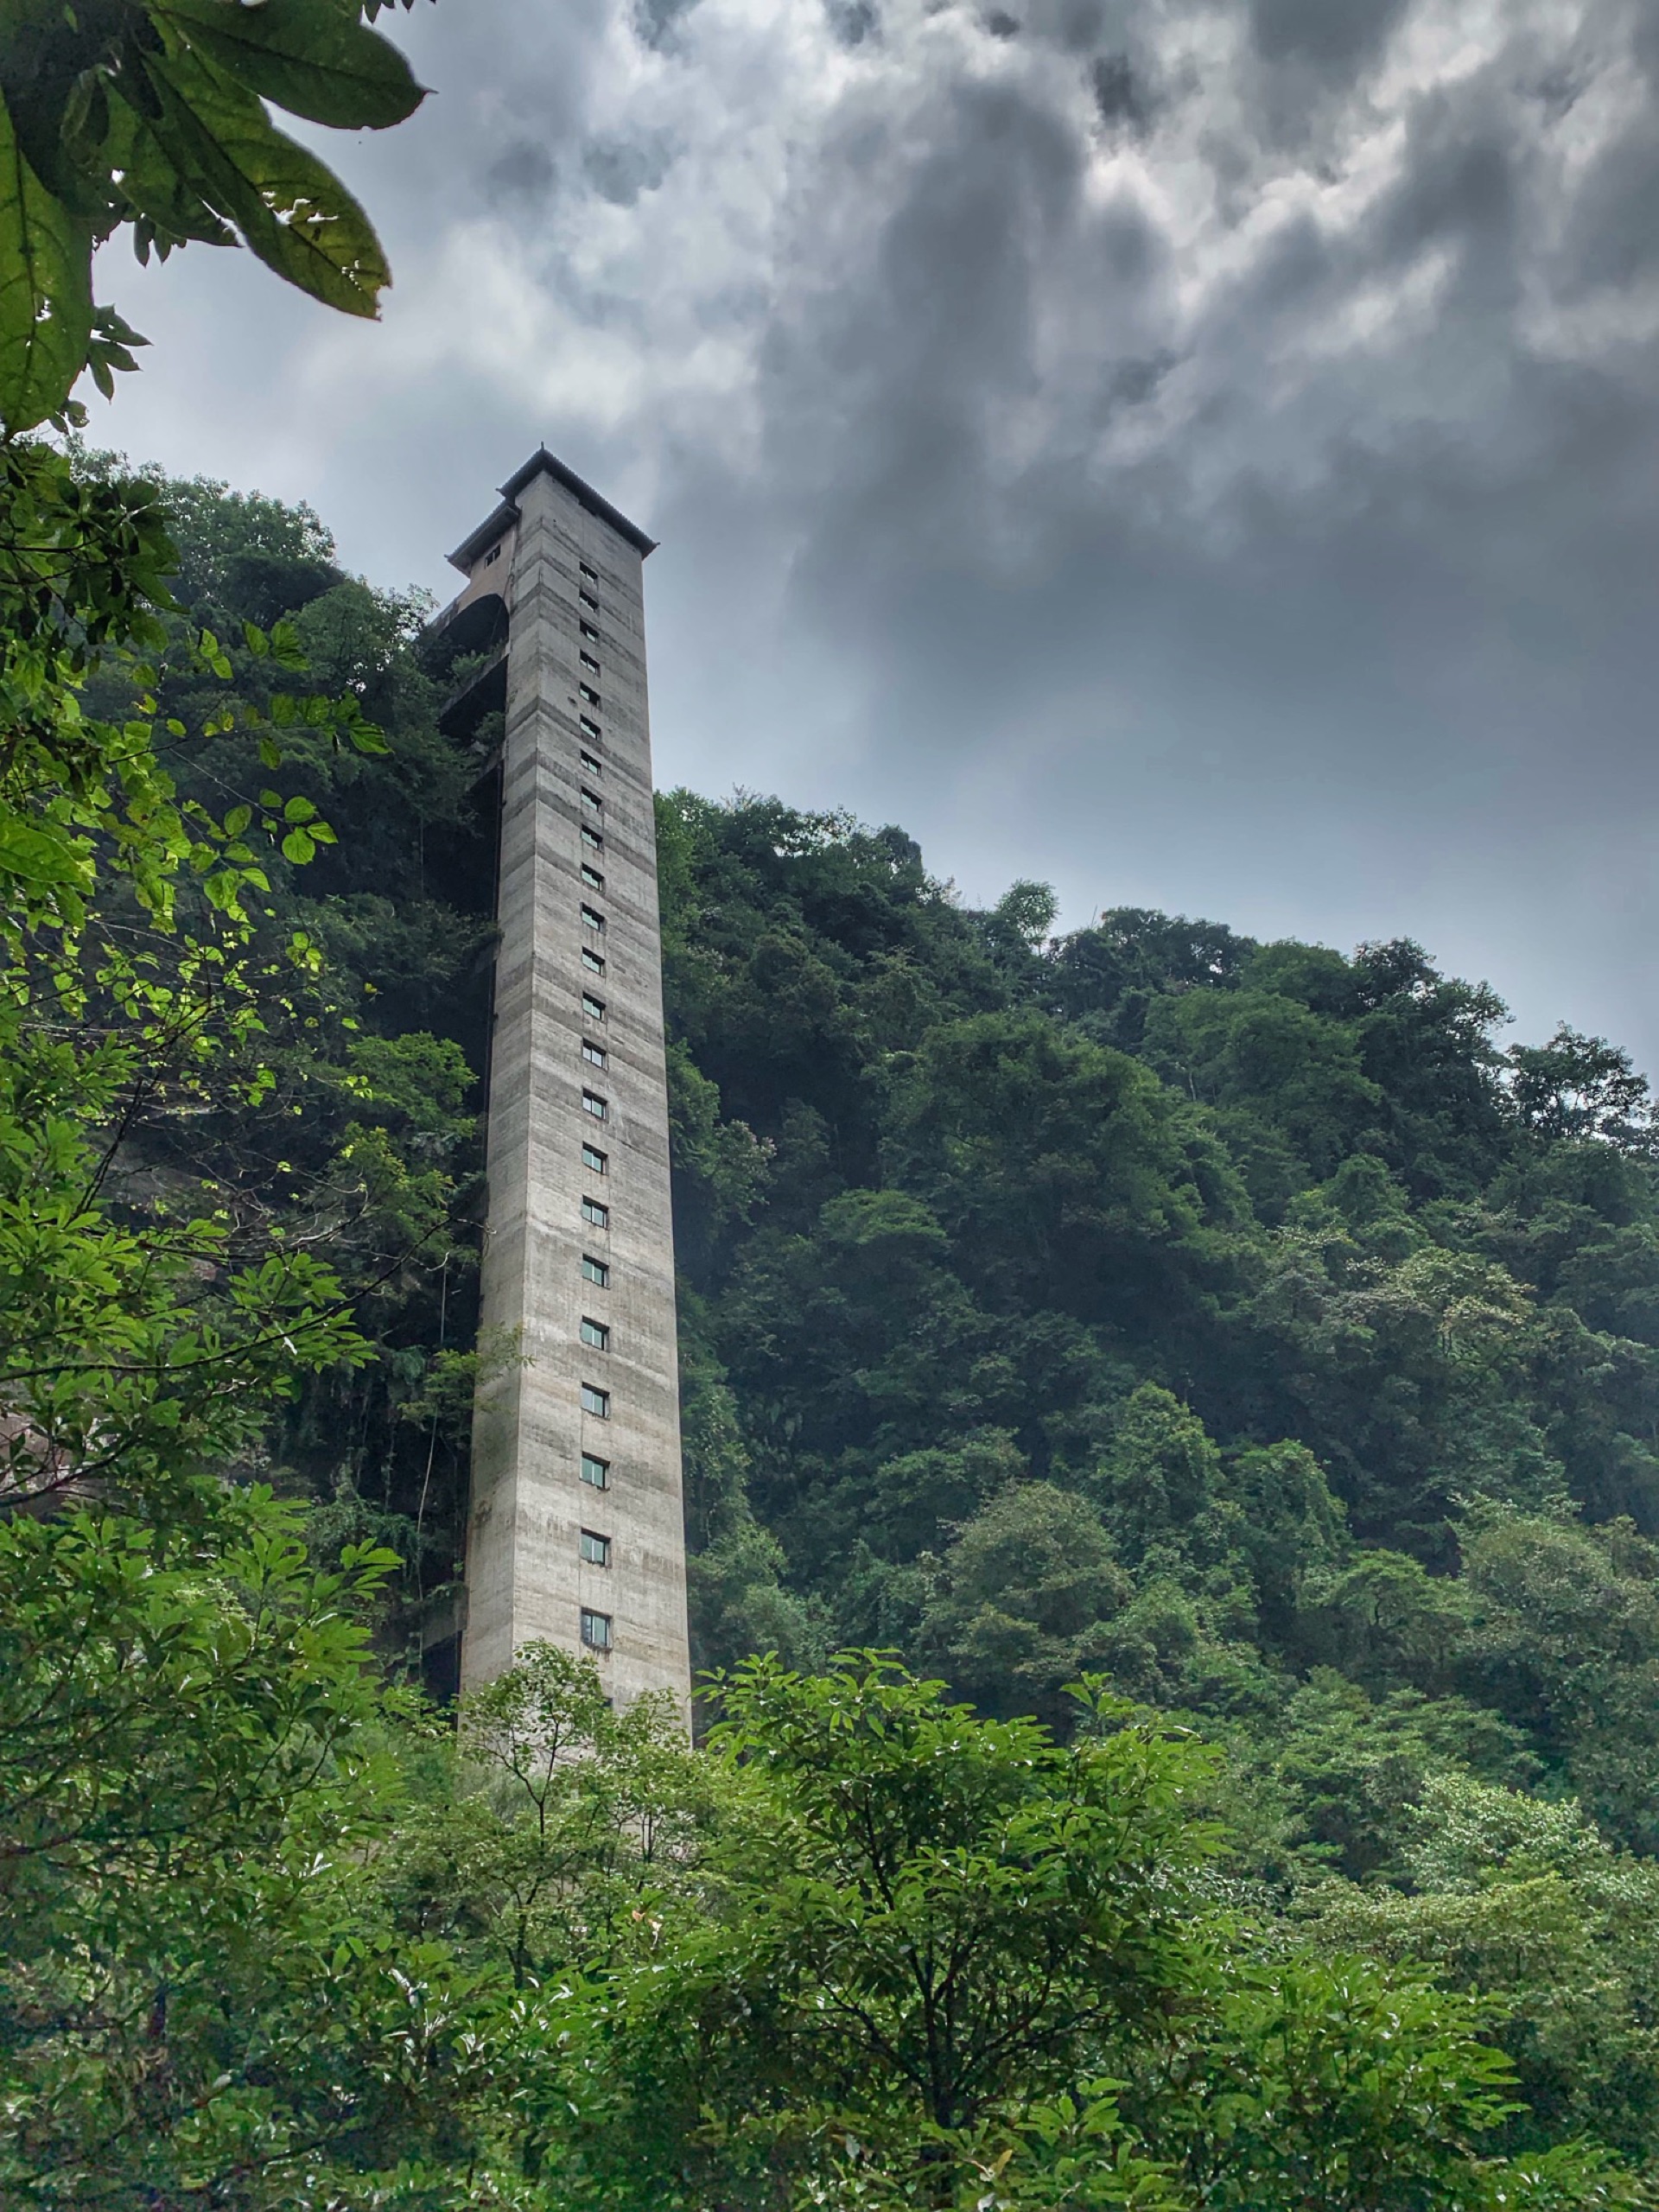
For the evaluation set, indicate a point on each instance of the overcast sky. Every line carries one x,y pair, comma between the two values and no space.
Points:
1199,455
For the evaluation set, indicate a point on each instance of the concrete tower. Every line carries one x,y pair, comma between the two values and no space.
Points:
576,1533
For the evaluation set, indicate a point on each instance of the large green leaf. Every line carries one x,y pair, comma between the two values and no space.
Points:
294,214
151,181
46,291
37,860
313,57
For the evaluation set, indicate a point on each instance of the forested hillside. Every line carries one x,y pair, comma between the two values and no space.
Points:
1249,1329
1249,1323
1229,1317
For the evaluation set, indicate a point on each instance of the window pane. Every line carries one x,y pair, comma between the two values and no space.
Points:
593,1158
593,919
593,1104
596,1472
592,961
591,839
592,1008
595,1053
595,1334
587,661
595,1401
593,802
592,878
596,1631
595,1548
597,1271
598,1215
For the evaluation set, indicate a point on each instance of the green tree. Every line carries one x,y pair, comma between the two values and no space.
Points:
1332,2083
1565,1643
949,1915
1526,1902
559,1823
184,1754
1263,1053
972,1966
1024,1595
1580,1087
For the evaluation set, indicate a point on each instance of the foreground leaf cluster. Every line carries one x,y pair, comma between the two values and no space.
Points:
153,115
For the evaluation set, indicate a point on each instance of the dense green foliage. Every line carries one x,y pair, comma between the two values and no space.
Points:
1235,1327
1244,1322
864,1949
1211,1312
303,1090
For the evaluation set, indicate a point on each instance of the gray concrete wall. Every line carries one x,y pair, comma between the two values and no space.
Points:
525,1575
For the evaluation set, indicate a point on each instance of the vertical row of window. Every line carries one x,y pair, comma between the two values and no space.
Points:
594,1545
597,1628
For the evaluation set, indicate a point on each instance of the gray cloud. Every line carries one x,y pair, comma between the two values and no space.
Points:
1204,455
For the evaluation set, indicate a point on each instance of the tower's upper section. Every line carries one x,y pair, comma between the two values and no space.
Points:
542,462
474,550
476,618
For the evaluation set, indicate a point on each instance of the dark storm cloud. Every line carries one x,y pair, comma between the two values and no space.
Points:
1202,453
526,170
1337,36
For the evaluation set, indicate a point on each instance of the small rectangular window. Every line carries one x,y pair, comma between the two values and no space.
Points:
594,1159
592,1008
591,762
593,919
591,574
595,1334
595,1055
591,839
596,1216
588,600
587,661
494,554
588,631
592,878
595,1548
596,1472
592,801
596,1630
591,961
589,694
595,1401
593,1104
595,1270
